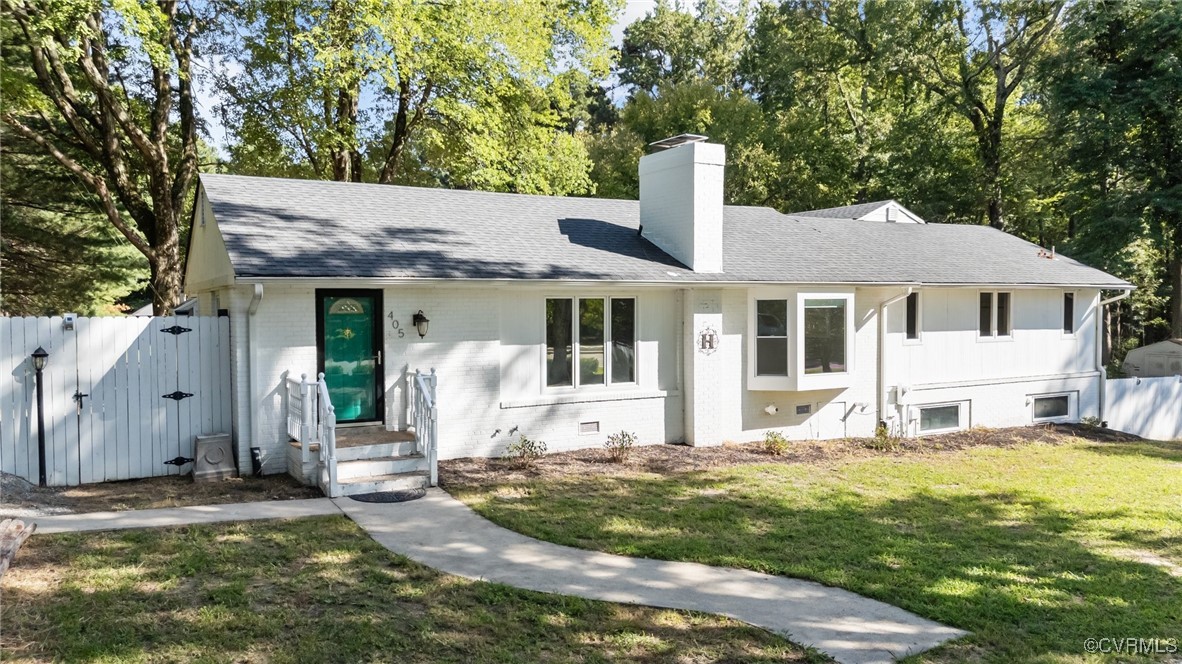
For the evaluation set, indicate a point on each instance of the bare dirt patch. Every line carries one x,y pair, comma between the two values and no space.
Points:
666,459
19,498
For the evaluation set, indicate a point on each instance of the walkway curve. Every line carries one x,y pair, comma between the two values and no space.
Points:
441,532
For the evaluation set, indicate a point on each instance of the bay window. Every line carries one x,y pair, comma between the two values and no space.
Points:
590,341
824,335
800,341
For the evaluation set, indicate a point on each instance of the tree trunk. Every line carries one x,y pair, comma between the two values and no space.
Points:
167,271
991,158
1176,284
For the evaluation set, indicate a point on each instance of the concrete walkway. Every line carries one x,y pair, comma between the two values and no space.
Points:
441,532
184,516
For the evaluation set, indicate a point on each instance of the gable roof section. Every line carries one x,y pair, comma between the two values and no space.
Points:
275,228
862,211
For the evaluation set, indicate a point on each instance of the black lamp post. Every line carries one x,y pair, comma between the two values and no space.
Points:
421,322
40,358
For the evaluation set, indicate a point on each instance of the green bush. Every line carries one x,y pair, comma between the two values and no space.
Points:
774,443
619,446
884,440
525,451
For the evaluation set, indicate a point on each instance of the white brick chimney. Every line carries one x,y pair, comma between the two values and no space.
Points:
681,200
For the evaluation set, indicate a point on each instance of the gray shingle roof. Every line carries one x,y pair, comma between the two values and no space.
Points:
301,228
844,212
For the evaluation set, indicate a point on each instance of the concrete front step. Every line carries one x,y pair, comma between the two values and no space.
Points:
372,467
376,451
393,482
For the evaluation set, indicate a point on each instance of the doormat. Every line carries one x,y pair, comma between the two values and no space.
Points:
390,496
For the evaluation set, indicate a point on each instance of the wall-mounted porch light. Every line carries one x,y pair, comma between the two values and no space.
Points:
421,322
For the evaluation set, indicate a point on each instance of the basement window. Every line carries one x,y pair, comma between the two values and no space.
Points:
1052,407
939,418
590,342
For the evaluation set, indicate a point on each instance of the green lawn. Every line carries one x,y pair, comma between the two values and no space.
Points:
1032,548
319,590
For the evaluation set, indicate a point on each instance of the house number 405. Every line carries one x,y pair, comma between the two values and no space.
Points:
394,325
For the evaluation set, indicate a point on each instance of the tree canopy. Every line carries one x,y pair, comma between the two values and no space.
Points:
1058,122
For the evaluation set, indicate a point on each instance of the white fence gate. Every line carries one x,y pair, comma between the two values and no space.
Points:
1148,407
122,395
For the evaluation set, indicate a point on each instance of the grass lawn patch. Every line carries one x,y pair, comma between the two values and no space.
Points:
319,590
1034,548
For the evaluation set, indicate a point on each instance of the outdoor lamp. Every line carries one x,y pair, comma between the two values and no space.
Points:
40,357
421,322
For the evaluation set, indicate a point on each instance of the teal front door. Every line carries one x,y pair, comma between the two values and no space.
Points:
349,345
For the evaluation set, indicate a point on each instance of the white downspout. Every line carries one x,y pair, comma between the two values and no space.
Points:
252,374
1100,350
882,316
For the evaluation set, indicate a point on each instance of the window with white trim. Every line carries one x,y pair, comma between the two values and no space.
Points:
771,337
941,417
912,321
1069,313
825,335
590,341
995,314
1052,407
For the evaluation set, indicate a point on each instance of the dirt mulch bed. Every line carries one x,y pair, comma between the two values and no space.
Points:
21,499
665,459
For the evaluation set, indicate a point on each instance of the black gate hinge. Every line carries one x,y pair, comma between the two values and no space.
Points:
178,395
176,329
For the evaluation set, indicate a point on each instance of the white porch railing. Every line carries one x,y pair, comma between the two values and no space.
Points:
312,421
302,405
425,420
328,441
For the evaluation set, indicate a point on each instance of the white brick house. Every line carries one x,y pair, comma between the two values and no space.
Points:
675,317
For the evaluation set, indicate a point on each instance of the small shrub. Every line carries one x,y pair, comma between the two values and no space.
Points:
1090,421
525,451
619,446
883,440
774,443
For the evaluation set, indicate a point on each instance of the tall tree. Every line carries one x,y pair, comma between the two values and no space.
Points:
1114,95
104,87
674,44
462,93
976,54
58,253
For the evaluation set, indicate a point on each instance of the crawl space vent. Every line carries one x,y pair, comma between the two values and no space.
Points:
588,427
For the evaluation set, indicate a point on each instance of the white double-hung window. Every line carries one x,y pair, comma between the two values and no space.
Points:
590,341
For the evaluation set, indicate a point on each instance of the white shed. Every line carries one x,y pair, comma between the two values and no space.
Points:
1163,358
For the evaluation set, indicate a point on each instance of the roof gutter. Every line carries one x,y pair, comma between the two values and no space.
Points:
680,283
882,326
1103,396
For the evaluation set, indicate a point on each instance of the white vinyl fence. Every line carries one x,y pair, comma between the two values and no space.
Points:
1148,407
122,395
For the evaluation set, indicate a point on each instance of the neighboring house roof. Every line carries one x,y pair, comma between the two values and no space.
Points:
276,227
862,211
